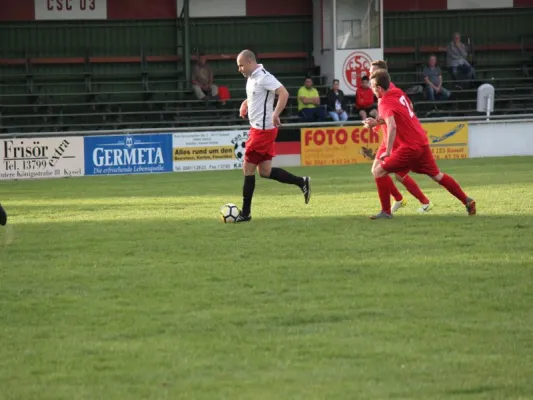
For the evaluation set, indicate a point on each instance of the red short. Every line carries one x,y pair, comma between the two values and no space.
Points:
419,160
382,150
261,145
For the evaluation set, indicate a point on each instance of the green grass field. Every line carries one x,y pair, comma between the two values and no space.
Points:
129,287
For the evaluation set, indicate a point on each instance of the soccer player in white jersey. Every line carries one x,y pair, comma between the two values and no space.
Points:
261,89
3,216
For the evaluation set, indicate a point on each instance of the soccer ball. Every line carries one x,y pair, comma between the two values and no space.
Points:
229,213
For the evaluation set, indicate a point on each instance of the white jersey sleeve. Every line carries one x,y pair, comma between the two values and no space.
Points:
269,82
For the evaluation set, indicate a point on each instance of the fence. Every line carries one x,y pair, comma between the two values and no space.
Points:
141,151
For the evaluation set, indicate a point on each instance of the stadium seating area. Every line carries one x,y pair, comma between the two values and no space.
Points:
76,93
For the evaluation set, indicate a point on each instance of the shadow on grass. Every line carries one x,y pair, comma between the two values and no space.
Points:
351,179
277,237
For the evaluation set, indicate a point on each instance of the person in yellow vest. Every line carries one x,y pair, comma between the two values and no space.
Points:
309,107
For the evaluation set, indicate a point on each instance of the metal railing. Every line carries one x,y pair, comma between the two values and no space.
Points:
519,118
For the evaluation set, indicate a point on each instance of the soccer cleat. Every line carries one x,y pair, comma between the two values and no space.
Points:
243,218
471,206
425,207
398,204
306,189
381,215
3,216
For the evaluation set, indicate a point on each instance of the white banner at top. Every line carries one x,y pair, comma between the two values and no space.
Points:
470,4
70,9
214,8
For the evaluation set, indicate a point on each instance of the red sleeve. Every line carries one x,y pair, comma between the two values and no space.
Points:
385,110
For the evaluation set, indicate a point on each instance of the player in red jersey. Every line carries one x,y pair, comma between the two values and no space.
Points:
3,216
407,147
409,183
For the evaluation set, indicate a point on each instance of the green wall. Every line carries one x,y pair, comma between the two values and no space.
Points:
436,28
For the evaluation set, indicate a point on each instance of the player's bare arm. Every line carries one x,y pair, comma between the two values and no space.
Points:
391,129
283,97
370,122
244,109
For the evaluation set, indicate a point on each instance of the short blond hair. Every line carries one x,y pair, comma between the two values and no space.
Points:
380,64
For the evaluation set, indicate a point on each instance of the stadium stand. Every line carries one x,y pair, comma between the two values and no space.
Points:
99,89
33,99
36,99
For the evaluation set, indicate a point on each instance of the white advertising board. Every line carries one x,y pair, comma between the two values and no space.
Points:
204,151
37,158
501,139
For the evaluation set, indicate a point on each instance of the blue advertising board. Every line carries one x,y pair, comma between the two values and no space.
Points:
128,154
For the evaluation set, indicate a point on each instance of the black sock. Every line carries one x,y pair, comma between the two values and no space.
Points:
247,194
3,216
283,176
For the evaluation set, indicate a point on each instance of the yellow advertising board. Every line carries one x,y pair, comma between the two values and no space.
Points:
357,144
448,140
338,145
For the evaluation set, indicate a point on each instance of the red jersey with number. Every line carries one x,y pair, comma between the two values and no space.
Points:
409,131
393,86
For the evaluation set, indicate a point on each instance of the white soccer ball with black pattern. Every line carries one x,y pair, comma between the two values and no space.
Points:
229,213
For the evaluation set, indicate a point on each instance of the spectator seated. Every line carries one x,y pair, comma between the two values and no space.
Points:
433,80
456,57
309,104
365,101
203,84
336,103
